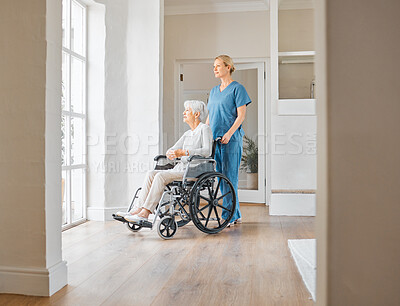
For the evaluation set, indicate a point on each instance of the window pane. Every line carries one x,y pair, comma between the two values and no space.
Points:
64,197
77,130
77,28
77,85
64,140
77,195
64,82
64,22
248,174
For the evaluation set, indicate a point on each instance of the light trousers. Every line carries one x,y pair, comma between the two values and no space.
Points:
154,185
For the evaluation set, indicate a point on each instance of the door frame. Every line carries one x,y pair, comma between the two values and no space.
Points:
259,195
266,63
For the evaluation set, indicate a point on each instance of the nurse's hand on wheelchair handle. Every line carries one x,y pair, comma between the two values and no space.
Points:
225,139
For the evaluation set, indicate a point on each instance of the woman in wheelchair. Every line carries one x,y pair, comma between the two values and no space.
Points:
196,141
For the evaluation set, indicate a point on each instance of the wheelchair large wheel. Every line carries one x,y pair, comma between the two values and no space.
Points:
167,227
206,206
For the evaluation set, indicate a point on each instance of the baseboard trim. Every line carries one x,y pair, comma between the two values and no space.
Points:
305,191
33,281
103,213
290,204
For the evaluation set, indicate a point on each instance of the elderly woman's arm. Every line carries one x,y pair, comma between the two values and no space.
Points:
206,143
241,111
176,150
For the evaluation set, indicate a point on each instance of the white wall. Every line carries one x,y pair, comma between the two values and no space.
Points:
107,107
144,71
30,180
95,109
204,36
293,131
296,30
124,102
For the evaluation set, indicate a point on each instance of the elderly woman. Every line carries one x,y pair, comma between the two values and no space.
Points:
196,141
227,111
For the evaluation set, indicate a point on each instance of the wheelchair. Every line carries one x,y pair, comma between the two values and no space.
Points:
197,198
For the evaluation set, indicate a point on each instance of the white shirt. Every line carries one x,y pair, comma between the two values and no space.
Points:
196,142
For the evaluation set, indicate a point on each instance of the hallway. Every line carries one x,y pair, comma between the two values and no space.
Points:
249,264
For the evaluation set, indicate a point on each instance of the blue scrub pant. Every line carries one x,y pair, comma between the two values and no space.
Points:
228,157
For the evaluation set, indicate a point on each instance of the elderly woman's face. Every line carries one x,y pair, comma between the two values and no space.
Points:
220,70
188,115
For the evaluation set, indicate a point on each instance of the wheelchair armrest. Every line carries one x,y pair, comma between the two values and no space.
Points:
159,156
199,157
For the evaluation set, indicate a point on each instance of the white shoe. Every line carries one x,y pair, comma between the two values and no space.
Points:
122,213
238,221
134,218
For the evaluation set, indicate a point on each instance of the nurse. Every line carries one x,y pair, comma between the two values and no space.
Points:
227,111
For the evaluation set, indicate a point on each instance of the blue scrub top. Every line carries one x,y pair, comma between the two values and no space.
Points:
222,108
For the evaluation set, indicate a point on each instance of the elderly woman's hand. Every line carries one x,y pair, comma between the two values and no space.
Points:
171,154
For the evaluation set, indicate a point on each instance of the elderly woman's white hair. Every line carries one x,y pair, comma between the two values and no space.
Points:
198,106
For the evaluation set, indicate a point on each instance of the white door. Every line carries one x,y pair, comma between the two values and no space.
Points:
252,178
195,80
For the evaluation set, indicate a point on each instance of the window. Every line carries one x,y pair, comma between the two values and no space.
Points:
73,121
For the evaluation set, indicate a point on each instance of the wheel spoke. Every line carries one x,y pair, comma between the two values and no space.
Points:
168,234
208,217
204,198
216,213
216,189
183,210
202,216
210,192
224,195
224,208
200,210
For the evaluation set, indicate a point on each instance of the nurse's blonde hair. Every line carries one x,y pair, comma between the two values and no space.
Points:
227,61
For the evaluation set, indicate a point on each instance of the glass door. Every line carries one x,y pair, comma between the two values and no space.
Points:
252,169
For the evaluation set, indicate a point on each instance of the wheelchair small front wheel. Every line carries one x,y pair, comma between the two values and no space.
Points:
167,227
134,227
207,208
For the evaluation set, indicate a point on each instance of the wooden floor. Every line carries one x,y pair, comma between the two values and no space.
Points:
248,264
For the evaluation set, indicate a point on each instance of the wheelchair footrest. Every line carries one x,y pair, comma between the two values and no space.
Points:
119,218
144,223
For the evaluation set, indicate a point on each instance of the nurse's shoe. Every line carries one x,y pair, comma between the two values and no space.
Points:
238,221
229,224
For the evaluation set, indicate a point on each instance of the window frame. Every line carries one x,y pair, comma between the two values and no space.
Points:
68,114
